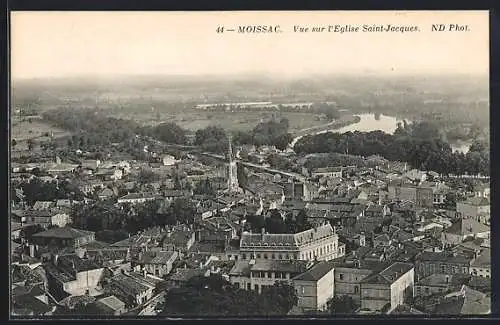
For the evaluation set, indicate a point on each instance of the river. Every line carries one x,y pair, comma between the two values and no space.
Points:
387,124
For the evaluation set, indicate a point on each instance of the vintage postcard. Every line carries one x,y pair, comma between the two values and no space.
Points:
249,164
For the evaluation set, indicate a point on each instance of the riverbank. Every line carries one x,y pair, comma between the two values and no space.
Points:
344,121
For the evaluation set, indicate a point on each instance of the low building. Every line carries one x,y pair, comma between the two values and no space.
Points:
171,195
315,287
427,263
179,240
63,237
71,275
477,208
254,275
464,229
111,305
169,160
157,263
132,290
327,172
433,284
385,290
465,301
43,205
481,266
136,198
348,277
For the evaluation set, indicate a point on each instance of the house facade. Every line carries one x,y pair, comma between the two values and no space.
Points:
388,289
319,243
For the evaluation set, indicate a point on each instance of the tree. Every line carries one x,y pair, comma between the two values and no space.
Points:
280,297
28,232
205,187
31,144
275,224
214,296
147,175
341,305
169,132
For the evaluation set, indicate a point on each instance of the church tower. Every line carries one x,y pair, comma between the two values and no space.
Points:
232,181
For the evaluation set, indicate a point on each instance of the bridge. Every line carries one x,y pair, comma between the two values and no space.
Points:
288,174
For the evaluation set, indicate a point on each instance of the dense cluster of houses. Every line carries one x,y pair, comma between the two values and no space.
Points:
381,237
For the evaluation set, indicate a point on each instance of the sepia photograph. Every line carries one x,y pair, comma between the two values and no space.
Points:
249,164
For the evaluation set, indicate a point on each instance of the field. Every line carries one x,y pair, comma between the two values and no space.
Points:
22,130
194,120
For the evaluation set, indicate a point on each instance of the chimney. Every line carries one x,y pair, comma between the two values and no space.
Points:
32,250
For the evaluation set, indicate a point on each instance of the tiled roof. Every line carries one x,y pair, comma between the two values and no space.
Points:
477,201
464,302
389,274
63,233
31,303
161,257
467,227
136,196
483,260
443,257
112,302
292,266
317,272
241,268
128,284
437,279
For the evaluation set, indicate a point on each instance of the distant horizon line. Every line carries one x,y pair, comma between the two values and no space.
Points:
268,75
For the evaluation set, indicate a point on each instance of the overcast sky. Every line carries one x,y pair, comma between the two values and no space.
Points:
60,44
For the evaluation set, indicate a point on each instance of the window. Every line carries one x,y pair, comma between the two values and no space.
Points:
265,274
356,289
303,289
341,276
273,256
287,256
280,256
265,256
244,256
258,255
249,286
256,287
252,256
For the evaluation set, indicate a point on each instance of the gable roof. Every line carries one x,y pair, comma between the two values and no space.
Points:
483,260
467,227
63,233
112,302
317,272
466,301
390,274
477,201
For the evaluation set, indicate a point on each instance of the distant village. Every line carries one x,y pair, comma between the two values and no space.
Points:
386,239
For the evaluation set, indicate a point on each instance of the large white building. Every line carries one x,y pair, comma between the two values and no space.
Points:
320,243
